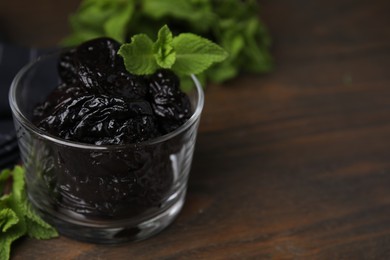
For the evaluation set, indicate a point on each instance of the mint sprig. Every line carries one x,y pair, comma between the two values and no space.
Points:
16,216
185,54
138,55
195,54
163,49
234,25
98,18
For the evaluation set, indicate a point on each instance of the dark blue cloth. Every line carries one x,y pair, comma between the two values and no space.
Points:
12,59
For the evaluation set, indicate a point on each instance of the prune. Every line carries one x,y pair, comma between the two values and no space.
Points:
59,95
140,108
138,129
171,106
91,63
163,87
99,54
112,184
99,119
111,194
93,80
68,66
97,60
151,187
123,84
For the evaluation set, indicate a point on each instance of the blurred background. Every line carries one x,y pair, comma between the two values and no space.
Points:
38,23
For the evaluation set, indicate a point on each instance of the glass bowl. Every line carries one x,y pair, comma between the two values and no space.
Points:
100,194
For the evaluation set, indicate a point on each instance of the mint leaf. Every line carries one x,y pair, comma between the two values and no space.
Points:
36,227
233,24
116,25
11,229
80,36
157,8
185,54
222,72
195,54
6,238
8,218
98,18
197,13
16,216
4,175
164,53
138,55
18,186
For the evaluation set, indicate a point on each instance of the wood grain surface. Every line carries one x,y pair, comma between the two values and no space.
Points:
290,165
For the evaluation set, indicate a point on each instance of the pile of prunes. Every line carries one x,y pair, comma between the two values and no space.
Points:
99,102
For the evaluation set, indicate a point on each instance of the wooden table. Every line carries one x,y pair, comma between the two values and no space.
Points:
291,165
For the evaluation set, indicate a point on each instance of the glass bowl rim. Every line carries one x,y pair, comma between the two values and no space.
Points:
42,134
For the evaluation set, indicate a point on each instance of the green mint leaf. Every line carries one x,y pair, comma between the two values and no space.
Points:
38,231
116,26
222,72
138,55
234,25
16,216
163,50
233,42
157,8
98,18
80,36
6,238
4,175
195,54
5,247
8,218
185,54
36,227
18,185
198,14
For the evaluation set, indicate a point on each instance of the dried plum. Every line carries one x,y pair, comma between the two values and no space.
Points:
171,106
68,66
129,108
91,63
123,84
99,54
62,93
97,61
164,86
99,119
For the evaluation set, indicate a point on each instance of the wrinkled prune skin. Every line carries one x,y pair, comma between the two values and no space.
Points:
164,86
67,66
90,63
61,94
93,70
100,103
99,54
101,120
171,106
123,84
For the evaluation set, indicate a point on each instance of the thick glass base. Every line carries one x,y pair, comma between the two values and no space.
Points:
119,231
